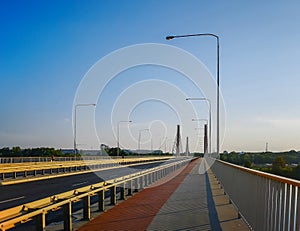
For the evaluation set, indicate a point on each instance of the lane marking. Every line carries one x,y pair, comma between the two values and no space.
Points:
13,199
79,183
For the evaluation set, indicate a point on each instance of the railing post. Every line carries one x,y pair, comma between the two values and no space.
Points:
122,191
113,195
40,222
146,180
155,176
67,213
149,178
136,185
129,189
101,197
141,182
87,207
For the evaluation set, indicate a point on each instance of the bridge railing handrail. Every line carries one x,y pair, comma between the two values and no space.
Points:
264,174
266,201
20,214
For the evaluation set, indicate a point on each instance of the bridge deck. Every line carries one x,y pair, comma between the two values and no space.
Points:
187,201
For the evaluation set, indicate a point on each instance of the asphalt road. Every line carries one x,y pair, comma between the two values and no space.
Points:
18,194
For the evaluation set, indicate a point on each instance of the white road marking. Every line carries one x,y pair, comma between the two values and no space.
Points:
13,199
79,183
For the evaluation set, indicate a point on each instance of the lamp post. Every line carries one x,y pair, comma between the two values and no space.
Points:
75,110
140,133
209,108
118,135
218,77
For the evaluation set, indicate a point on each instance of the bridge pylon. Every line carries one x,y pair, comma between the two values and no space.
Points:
187,151
177,144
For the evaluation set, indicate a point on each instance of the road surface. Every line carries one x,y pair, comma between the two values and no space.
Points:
18,194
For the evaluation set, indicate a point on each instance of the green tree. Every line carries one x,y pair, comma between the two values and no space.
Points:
296,172
114,152
278,165
247,163
16,151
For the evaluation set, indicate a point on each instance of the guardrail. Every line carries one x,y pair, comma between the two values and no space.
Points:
265,201
38,210
19,170
14,160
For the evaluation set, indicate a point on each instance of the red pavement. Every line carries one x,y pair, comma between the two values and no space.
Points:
137,212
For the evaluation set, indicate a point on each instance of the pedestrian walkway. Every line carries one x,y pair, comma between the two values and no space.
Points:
189,201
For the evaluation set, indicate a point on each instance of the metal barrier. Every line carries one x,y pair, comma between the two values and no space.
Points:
14,160
37,210
21,170
265,201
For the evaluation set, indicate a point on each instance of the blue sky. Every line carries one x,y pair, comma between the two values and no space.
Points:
47,47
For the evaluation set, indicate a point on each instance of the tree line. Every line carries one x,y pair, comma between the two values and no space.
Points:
51,152
30,152
285,164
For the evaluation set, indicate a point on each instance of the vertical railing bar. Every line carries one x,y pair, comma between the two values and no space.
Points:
295,207
290,205
275,217
280,207
298,210
272,209
284,206
269,204
265,185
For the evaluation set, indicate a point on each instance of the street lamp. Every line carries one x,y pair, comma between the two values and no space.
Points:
200,120
140,131
118,135
75,110
209,105
218,78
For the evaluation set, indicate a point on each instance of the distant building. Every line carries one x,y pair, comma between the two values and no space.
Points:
67,151
145,151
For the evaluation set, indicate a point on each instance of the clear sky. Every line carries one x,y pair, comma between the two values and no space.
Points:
47,47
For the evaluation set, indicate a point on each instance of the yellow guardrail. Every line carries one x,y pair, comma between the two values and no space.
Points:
26,170
38,209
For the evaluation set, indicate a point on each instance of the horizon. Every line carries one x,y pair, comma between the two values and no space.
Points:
221,152
49,48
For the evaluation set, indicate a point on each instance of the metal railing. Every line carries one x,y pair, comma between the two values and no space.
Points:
265,201
14,160
126,185
39,169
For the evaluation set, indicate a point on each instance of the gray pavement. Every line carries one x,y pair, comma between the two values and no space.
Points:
198,204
